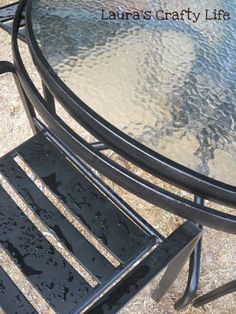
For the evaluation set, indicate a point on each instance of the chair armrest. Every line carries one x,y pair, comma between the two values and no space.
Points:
6,67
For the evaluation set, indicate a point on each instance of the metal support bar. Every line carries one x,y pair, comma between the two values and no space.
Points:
99,146
194,270
7,27
219,292
7,12
29,109
172,272
49,99
7,67
193,278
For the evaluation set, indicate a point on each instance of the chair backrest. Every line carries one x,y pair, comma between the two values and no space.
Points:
77,146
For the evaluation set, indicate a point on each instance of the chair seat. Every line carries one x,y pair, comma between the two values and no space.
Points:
121,234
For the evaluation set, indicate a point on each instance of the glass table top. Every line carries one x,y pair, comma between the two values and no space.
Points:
169,84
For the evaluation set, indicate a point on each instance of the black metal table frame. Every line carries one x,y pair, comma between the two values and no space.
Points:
139,155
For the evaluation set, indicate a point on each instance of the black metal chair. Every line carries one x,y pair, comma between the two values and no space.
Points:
203,188
138,249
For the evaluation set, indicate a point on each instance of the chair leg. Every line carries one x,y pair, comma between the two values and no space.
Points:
194,269
172,272
193,278
29,109
229,287
7,67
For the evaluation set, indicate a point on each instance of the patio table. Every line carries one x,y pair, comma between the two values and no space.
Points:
161,93
168,86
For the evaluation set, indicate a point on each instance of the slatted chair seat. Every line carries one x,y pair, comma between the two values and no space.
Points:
139,251
121,232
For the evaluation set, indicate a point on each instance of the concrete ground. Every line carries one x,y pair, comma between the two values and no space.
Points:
219,249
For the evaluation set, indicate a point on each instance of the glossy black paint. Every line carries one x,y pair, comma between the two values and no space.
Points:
11,298
104,220
194,271
7,67
177,246
127,238
55,279
39,261
63,287
49,99
172,271
88,256
111,137
163,168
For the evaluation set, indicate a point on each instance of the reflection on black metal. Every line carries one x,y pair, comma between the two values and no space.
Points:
108,219
72,145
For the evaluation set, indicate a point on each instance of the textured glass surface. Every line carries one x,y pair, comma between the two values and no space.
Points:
170,85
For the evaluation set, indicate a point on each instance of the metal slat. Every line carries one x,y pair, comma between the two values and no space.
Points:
73,240
11,298
8,28
44,267
116,231
183,239
8,12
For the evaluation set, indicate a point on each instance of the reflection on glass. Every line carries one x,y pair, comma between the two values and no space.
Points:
168,84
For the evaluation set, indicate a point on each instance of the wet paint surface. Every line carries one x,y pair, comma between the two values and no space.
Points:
49,214
45,268
11,298
104,220
58,282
